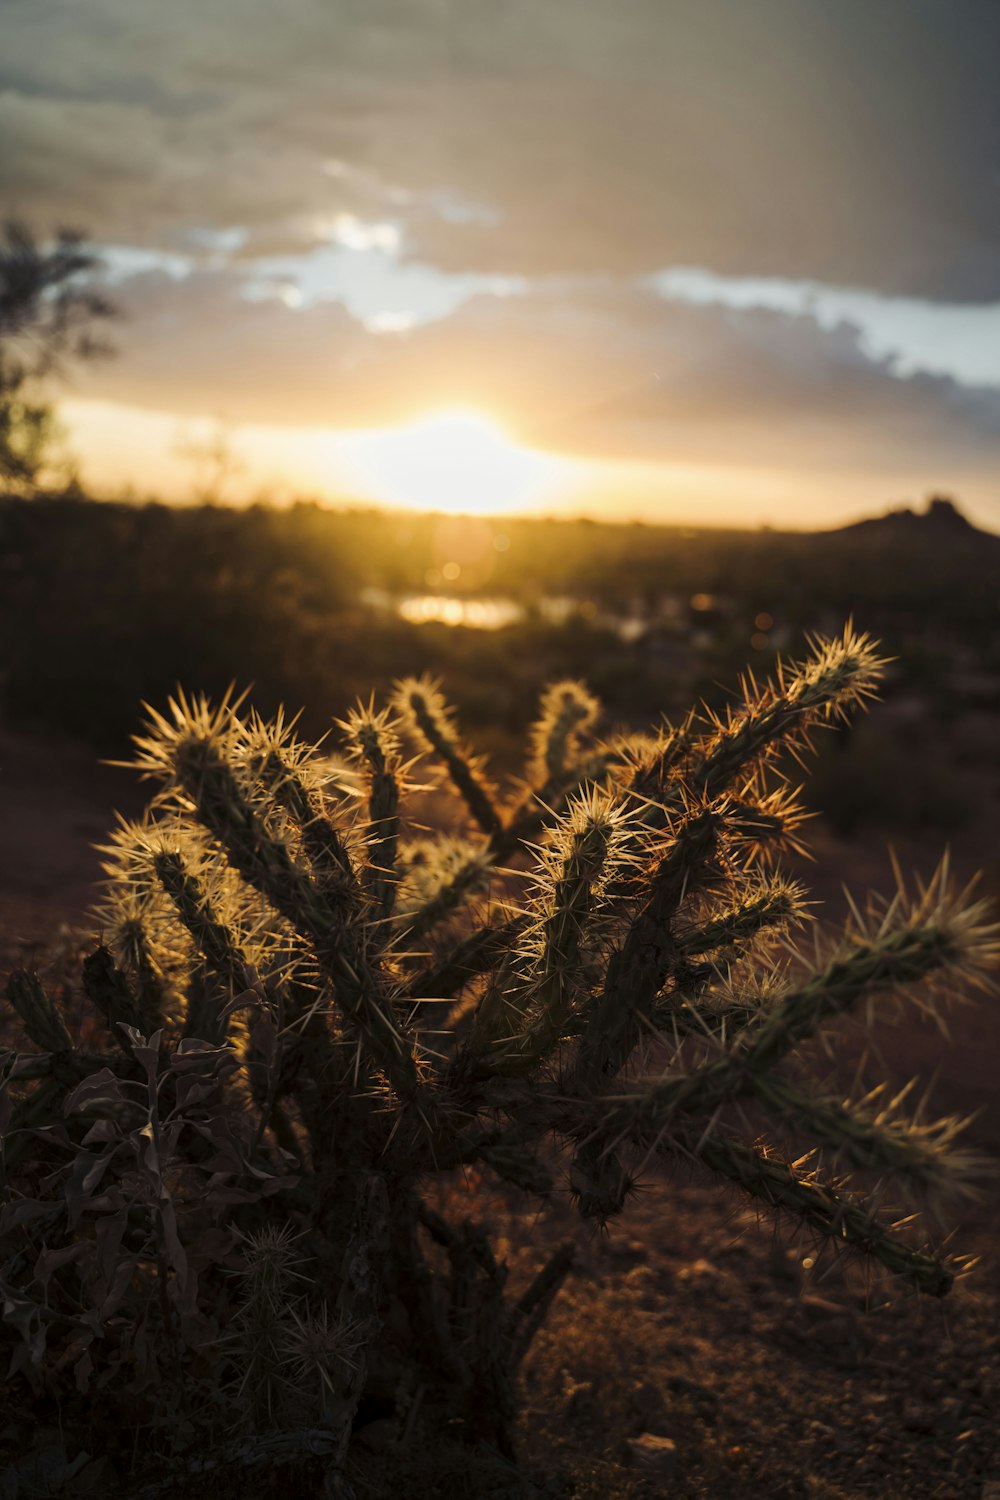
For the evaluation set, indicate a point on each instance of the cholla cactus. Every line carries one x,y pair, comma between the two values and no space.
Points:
315,1006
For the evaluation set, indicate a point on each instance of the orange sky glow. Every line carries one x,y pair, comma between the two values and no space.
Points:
458,460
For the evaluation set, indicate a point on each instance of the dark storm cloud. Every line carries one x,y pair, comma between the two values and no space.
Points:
606,370
855,142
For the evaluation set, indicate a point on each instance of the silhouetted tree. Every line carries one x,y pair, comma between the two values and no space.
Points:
48,307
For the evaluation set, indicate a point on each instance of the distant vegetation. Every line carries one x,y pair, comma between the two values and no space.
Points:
105,605
49,310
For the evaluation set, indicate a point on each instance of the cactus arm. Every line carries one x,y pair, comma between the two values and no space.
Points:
709,1019
637,972
532,1307
650,763
917,1155
773,904
108,990
566,711
839,675
937,936
148,978
834,1215
527,1010
447,900
267,866
382,876
42,1021
373,743
896,956
473,955
361,1290
217,945
321,838
430,720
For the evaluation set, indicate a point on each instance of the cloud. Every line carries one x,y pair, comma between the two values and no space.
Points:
855,144
595,368
197,347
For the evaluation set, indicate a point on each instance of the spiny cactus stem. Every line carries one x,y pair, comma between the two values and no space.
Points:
533,1116
263,863
446,900
361,1277
839,674
268,867
42,1021
897,957
532,1307
108,990
772,822
836,1217
567,715
150,983
901,956
433,727
637,972
543,808
135,946
365,1003
737,745
321,839
917,1155
566,709
213,939
677,1010
477,1316
550,988
551,1274
519,1167
372,739
418,1282
473,955
382,877
773,905
281,1129
654,771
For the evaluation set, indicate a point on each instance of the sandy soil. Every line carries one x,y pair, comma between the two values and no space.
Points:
56,803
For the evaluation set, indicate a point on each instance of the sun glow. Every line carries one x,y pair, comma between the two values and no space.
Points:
458,461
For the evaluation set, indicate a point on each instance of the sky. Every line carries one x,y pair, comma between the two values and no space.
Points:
713,261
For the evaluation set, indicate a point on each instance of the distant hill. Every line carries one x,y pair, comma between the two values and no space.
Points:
942,521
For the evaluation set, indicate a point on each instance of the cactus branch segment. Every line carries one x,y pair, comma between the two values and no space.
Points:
325,909
921,1157
638,970
835,1216
373,742
567,710
42,1021
430,721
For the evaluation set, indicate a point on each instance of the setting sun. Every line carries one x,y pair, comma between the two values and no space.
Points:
456,460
